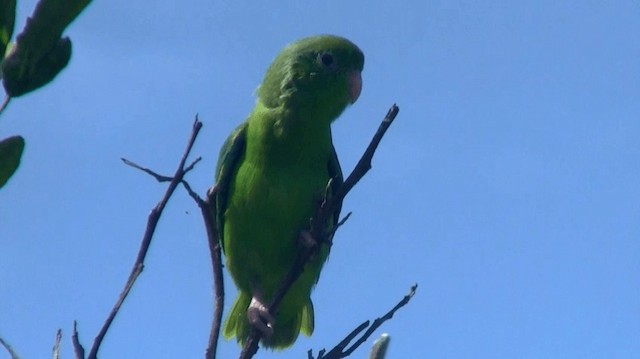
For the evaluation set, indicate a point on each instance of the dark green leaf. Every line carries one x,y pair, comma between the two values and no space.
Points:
7,20
10,153
17,83
44,28
40,53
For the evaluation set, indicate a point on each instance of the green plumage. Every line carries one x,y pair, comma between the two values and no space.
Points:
272,173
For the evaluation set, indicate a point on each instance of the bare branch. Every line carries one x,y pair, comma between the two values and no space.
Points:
192,165
5,103
152,223
216,257
208,208
158,177
78,349
339,224
318,226
339,350
364,164
12,353
344,342
56,346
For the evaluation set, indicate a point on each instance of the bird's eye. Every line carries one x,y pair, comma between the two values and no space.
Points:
326,59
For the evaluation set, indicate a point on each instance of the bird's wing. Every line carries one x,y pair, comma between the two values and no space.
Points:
229,159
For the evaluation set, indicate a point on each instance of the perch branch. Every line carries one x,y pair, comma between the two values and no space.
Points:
152,223
318,224
208,208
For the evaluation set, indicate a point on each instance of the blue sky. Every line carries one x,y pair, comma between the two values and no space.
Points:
508,188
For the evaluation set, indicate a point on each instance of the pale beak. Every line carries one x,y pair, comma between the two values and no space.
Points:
355,85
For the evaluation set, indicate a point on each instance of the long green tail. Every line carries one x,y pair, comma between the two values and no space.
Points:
287,327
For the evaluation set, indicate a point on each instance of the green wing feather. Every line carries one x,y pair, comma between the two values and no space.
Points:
230,157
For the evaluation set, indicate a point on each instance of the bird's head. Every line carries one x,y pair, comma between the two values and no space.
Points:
320,74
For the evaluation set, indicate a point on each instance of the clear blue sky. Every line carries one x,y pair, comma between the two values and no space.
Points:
508,188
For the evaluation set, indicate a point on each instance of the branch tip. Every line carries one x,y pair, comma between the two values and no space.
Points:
339,350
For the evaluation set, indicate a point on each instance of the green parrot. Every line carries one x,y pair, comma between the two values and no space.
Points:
272,173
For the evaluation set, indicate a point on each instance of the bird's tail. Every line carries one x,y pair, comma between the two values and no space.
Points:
286,329
237,324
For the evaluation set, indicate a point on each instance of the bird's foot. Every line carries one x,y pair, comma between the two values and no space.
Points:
259,316
307,240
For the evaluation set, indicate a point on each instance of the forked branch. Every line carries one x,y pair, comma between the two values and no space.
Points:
152,223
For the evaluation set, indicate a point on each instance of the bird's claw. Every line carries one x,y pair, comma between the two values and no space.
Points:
260,318
307,240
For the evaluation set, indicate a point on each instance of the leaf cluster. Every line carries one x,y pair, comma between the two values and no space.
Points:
36,57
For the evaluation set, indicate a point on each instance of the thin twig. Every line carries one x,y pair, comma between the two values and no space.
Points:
192,165
78,349
8,347
56,346
340,223
5,103
339,351
207,207
344,342
364,164
152,223
160,178
318,226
